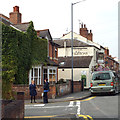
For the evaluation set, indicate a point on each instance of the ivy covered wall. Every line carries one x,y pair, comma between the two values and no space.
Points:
20,51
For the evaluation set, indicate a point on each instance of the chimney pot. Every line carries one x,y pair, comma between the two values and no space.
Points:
81,25
84,25
16,9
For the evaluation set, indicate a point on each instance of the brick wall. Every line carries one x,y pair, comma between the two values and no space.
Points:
50,50
25,89
12,109
55,90
63,89
77,86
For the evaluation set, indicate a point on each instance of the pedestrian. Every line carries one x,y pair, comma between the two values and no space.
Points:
46,90
32,88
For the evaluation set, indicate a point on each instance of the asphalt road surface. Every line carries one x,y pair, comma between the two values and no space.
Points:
100,106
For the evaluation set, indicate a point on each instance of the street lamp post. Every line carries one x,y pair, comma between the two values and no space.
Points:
72,86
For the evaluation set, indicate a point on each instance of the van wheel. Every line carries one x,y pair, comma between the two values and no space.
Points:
115,92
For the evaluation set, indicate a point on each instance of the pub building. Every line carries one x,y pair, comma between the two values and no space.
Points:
84,57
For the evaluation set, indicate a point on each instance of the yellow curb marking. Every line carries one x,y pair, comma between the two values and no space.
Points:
40,116
83,116
88,98
86,117
89,117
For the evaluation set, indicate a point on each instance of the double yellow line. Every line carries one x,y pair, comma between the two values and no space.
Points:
86,117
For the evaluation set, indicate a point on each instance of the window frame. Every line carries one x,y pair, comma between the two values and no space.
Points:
32,74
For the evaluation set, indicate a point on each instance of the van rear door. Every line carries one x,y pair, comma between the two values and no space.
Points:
102,79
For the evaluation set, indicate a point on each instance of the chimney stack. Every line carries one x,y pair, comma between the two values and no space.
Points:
90,35
84,32
15,16
106,51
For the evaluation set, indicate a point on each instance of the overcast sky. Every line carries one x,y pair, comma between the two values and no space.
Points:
101,16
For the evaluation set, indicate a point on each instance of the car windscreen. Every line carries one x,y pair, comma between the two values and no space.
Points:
101,76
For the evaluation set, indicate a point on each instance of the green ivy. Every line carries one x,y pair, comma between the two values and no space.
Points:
20,51
38,48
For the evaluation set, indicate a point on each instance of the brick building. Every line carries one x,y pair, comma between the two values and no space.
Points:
50,71
103,57
110,61
37,73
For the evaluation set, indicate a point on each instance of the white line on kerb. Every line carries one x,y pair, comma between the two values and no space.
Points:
78,105
71,104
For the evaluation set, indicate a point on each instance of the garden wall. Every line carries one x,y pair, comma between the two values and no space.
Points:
55,90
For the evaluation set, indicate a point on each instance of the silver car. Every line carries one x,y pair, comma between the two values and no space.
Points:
104,81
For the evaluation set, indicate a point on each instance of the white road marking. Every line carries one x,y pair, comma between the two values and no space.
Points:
39,105
48,107
71,104
78,105
34,106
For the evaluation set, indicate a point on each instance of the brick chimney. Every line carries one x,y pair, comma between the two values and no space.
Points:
90,35
106,51
84,32
15,16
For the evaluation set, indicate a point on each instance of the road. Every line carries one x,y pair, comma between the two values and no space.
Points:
100,106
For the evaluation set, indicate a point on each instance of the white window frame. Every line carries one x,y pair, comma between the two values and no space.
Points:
48,69
53,68
47,73
38,77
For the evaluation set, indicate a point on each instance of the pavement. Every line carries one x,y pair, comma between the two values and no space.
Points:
70,97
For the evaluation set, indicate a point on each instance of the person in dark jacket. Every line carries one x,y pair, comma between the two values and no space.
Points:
46,90
32,88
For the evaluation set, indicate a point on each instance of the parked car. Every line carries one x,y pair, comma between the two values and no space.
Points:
104,82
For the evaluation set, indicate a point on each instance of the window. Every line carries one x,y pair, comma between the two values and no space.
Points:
45,73
101,76
100,56
35,74
52,75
